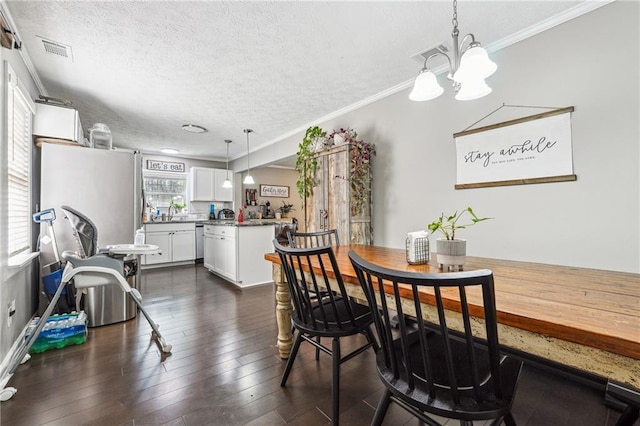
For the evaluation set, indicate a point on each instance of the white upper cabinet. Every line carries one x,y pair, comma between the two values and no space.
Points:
202,184
206,185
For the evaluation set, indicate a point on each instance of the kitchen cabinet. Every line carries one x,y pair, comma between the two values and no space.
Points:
333,204
236,253
206,185
58,122
177,242
220,250
225,254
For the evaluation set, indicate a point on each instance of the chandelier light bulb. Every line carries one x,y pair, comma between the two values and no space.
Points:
473,89
475,63
426,87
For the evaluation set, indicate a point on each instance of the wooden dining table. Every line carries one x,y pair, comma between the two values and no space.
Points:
585,319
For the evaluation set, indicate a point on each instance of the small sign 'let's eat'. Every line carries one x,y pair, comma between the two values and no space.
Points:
165,166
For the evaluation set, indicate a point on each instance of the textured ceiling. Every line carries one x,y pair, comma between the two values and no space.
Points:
146,67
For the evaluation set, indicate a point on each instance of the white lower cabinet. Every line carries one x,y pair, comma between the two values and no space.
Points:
209,251
177,242
162,240
220,250
237,253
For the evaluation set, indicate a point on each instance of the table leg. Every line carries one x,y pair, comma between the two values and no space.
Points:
283,312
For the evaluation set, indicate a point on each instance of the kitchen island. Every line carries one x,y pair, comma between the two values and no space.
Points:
235,251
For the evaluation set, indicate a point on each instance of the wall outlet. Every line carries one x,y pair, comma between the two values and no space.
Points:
11,311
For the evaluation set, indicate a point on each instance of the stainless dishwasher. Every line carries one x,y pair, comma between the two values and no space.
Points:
199,242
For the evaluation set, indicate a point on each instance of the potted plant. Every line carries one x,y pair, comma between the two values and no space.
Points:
341,136
450,251
285,209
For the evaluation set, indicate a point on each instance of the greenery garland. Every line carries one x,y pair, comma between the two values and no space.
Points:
306,162
361,154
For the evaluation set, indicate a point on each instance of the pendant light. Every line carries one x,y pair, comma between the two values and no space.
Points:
248,180
227,182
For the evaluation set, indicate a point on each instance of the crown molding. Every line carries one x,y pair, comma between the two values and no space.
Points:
23,52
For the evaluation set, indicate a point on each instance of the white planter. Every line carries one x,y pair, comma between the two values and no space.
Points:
338,139
451,254
318,144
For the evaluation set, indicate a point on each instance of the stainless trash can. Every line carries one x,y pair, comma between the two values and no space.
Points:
108,304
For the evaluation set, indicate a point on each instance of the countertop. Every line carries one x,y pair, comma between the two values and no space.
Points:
160,222
250,222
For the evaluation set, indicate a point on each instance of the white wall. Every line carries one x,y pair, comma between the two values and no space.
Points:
19,285
591,63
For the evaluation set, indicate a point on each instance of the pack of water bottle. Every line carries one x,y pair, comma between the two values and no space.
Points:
59,331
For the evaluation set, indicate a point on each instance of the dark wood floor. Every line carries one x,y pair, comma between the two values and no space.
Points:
224,370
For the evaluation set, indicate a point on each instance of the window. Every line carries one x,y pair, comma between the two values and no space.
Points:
160,189
20,110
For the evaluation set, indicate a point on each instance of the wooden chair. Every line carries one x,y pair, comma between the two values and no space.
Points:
331,316
430,368
314,239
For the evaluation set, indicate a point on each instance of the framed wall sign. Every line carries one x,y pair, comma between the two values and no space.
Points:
533,149
274,191
165,166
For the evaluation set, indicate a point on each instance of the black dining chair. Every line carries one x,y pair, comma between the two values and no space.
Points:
430,368
314,239
331,316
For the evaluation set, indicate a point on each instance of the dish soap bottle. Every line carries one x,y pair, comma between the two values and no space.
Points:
139,238
240,216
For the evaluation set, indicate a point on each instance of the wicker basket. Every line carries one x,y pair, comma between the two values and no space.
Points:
421,251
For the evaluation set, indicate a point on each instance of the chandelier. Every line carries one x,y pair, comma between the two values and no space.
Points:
468,68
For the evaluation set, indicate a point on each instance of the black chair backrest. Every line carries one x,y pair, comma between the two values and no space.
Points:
314,239
330,313
441,369
284,229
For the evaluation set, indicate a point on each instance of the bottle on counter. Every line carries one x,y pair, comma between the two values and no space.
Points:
241,216
139,237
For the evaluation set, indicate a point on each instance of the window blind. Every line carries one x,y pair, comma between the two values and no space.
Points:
19,117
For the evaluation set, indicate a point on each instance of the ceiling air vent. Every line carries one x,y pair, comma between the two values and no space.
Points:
58,49
422,56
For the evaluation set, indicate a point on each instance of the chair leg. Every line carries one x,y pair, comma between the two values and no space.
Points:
292,357
509,420
371,338
335,381
628,416
318,349
383,406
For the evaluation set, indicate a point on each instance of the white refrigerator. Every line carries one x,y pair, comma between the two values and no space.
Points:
106,186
